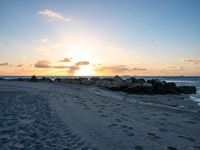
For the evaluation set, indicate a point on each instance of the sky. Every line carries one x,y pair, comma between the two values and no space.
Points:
100,37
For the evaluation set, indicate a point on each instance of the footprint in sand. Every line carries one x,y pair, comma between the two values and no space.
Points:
118,120
162,129
153,135
138,147
112,125
103,115
187,138
171,148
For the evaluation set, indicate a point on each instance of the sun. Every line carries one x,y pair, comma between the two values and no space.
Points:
85,71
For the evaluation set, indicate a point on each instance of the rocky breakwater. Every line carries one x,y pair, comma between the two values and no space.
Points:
154,86
130,85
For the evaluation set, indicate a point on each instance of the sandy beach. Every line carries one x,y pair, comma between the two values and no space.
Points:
69,116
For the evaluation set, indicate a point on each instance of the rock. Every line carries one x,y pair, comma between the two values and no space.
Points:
94,79
44,79
22,79
57,80
128,82
107,79
87,82
117,78
134,80
33,79
103,83
171,88
114,87
76,81
159,88
134,88
140,88
187,89
141,80
154,81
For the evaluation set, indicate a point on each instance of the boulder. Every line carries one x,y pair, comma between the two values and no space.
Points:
134,80
58,80
87,82
117,78
33,79
154,81
76,81
102,83
107,79
94,79
159,88
187,89
44,79
140,88
141,80
171,88
134,88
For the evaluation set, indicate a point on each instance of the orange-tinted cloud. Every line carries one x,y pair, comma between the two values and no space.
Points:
4,64
66,60
116,69
43,64
82,63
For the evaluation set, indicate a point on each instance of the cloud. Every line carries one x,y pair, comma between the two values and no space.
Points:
139,69
4,64
60,67
82,63
191,61
112,69
43,64
116,69
53,15
73,69
172,67
20,65
70,69
76,67
66,60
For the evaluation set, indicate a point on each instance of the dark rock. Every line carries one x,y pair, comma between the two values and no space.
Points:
107,79
114,87
139,88
159,88
44,79
141,81
94,79
171,88
134,80
187,89
154,81
58,80
87,82
117,78
33,79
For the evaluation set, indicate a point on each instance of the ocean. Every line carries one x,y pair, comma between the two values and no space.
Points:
179,80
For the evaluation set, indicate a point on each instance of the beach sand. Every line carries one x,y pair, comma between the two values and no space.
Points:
65,116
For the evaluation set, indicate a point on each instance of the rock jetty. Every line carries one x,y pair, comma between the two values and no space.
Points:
130,85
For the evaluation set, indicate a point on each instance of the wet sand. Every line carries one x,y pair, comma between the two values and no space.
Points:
66,116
